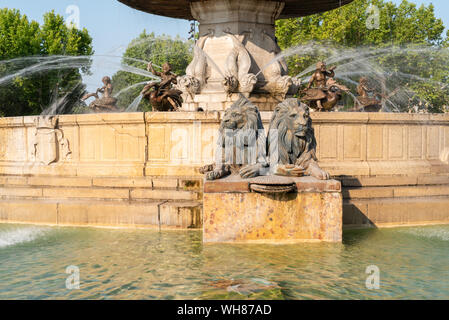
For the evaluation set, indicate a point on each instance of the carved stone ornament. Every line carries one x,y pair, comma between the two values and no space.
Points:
237,75
49,144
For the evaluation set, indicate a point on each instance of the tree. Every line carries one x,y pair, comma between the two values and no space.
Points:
30,94
414,31
146,48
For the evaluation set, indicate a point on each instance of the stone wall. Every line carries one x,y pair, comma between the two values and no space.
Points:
393,167
176,144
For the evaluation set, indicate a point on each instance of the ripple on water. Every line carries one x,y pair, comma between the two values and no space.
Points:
146,264
433,232
15,235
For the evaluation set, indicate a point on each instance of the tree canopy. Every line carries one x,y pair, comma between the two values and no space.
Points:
148,47
32,93
377,24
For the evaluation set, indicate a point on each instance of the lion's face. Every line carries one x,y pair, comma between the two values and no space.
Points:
235,118
291,138
296,117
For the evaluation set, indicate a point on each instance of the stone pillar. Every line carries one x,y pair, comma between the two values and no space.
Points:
233,54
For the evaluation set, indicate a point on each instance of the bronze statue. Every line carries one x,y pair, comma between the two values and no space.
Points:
365,101
292,143
105,103
319,77
162,96
326,92
241,145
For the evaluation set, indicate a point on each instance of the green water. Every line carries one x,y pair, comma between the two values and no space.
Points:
143,264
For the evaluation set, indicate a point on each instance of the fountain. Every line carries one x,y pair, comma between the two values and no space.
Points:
236,64
105,103
263,197
236,50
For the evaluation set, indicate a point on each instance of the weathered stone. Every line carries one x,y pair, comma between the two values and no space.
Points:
60,181
180,215
421,191
165,183
20,192
281,218
368,192
97,193
163,194
122,182
245,216
22,211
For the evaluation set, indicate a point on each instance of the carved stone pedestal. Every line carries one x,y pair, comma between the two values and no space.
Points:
233,213
221,101
236,53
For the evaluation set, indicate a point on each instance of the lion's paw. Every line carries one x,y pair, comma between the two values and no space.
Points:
250,171
317,172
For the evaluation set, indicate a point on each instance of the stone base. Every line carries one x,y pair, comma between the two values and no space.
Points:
232,213
149,202
220,101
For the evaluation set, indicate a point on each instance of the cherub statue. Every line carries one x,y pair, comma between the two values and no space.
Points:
326,92
162,95
368,100
105,103
319,77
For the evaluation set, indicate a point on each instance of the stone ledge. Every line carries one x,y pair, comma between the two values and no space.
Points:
395,211
114,214
235,184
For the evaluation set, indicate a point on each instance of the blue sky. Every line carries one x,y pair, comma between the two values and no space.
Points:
113,25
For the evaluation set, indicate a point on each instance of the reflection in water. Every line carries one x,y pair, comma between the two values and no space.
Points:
146,264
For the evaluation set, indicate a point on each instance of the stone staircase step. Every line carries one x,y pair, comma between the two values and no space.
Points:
181,183
392,180
396,192
63,212
395,212
142,194
124,193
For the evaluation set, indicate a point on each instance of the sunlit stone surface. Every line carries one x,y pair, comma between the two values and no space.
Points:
234,214
237,50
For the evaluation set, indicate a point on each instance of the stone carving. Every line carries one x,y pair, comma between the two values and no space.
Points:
326,92
272,184
190,85
367,99
292,143
238,64
107,102
48,142
241,145
278,83
162,96
196,73
295,87
279,86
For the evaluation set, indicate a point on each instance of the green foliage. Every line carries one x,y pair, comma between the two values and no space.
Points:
146,48
404,25
19,37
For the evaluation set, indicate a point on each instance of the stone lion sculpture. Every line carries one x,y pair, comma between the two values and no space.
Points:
292,143
241,144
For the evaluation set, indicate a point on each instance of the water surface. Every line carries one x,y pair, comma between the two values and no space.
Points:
147,264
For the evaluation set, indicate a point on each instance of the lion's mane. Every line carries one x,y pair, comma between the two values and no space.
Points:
250,132
284,147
